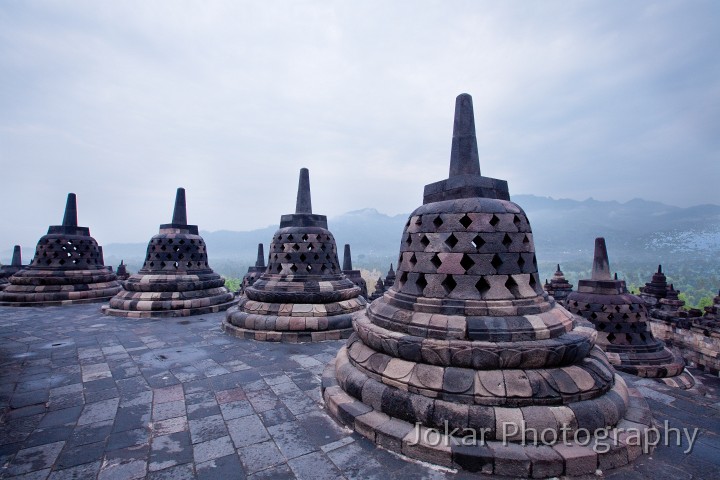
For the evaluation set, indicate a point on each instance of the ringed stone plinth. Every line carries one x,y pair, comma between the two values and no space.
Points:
175,279
621,320
303,294
466,343
67,268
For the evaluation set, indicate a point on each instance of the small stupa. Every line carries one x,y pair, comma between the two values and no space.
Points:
175,279
7,271
122,273
67,268
558,287
303,294
254,271
621,320
389,278
467,338
656,289
379,289
353,275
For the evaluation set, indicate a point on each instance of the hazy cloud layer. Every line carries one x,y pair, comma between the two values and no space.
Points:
122,102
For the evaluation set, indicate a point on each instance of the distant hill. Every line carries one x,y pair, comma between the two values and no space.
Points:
564,230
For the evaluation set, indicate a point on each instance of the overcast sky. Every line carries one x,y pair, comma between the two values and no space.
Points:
122,102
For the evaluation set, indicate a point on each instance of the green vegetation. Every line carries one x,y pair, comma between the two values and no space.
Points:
233,284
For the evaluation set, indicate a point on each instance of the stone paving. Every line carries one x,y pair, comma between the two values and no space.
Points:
88,396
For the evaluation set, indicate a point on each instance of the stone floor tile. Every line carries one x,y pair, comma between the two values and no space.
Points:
259,456
212,449
314,466
247,431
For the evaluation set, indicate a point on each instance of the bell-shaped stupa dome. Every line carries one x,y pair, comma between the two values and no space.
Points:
67,268
467,338
621,320
175,279
303,295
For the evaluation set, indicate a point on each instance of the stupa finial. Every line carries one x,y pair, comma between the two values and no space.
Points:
558,268
180,211
16,257
70,218
659,268
304,204
464,159
347,259
601,264
260,262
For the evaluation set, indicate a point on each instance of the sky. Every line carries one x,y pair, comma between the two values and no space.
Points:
123,102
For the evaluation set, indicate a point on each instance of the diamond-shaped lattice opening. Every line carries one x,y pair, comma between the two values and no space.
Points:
611,316
521,262
526,240
451,241
418,220
437,221
403,278
421,282
625,316
601,326
507,241
176,265
449,284
618,326
467,262
322,247
496,262
478,242
310,247
302,257
611,337
516,221
413,260
290,238
482,286
435,260
288,256
425,241
309,268
162,264
408,240
305,237
316,257
278,268
294,268
465,221
323,268
593,315
512,285
296,247
535,262
188,264
533,282
494,220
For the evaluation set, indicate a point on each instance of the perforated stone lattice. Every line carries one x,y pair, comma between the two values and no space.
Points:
303,253
176,252
68,253
621,324
441,252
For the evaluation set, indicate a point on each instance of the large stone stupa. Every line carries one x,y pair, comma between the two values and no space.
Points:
303,295
175,279
67,268
621,320
466,338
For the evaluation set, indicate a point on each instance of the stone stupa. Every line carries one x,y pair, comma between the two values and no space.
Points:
621,320
379,289
303,295
121,272
175,279
67,268
353,275
466,338
254,271
558,287
7,271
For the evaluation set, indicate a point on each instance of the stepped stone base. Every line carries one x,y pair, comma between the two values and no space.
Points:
293,322
50,288
510,458
684,381
169,312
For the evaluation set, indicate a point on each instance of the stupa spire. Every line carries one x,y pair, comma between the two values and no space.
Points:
180,211
260,262
464,159
70,219
601,264
304,203
347,259
17,257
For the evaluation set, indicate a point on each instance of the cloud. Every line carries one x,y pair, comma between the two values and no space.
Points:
123,102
